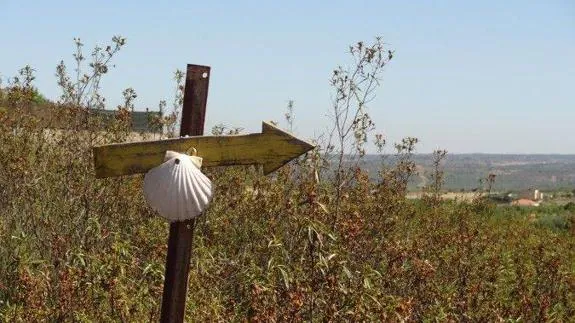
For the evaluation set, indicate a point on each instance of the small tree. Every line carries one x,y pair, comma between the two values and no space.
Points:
83,90
354,89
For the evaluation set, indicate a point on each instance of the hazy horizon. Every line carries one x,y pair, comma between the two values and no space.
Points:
488,153
468,77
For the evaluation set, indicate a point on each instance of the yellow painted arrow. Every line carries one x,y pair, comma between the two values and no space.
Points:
272,148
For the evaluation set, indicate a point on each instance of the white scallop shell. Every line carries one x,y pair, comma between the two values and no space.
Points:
177,189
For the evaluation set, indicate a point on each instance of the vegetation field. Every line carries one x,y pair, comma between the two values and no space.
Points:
514,172
298,245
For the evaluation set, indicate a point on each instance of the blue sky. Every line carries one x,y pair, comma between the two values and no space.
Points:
468,76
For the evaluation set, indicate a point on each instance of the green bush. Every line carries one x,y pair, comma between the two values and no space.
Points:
556,222
569,207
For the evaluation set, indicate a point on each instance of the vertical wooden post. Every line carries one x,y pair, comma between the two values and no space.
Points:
182,233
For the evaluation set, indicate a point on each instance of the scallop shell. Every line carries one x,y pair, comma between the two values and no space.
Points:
177,189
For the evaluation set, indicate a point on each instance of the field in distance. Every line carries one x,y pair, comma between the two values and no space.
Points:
513,172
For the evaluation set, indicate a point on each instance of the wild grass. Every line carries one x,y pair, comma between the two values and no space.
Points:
269,248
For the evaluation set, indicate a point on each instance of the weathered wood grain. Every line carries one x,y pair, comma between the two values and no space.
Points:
272,148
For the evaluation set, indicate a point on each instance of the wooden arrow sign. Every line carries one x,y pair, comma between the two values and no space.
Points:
272,148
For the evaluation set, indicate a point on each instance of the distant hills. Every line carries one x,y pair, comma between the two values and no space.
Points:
513,172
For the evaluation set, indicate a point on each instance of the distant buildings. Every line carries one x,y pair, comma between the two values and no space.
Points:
530,197
531,194
524,202
140,119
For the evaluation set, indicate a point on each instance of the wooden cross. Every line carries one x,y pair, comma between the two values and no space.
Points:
271,148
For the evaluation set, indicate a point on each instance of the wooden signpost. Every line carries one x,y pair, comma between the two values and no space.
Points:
272,148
